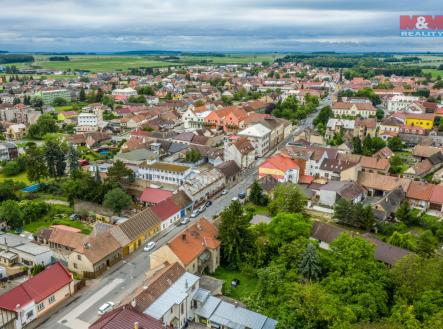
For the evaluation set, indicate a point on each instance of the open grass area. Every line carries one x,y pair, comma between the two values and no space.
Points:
435,73
246,287
43,223
106,63
258,210
22,177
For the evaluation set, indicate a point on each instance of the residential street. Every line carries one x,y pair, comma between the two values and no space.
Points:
126,276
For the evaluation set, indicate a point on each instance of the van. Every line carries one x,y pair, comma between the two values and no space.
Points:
105,308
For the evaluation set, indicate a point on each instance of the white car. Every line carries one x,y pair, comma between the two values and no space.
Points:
105,308
202,208
224,192
149,246
184,221
195,213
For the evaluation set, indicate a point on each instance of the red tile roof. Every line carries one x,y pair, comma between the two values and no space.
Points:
192,242
165,209
124,317
420,191
437,194
37,288
154,195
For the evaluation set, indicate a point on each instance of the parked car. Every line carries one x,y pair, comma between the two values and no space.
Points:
105,308
208,203
202,208
185,221
234,199
195,213
224,192
242,195
149,246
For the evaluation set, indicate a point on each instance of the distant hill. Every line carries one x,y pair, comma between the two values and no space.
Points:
148,52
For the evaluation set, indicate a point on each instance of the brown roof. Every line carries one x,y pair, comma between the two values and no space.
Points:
425,151
157,285
98,247
192,242
347,105
385,152
369,123
336,166
181,199
375,163
325,232
419,191
136,225
228,168
386,252
244,146
382,182
69,239
420,116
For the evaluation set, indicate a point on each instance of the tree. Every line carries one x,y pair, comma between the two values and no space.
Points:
36,269
12,168
234,235
82,95
395,144
36,164
356,145
193,155
287,198
37,102
322,119
72,158
310,263
7,190
117,200
45,124
118,173
379,114
286,227
406,215
427,243
357,278
55,159
11,213
59,101
356,215
256,195
396,165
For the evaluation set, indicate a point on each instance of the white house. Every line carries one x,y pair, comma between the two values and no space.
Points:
201,185
126,92
163,172
87,122
365,110
259,136
16,249
239,150
398,102
194,119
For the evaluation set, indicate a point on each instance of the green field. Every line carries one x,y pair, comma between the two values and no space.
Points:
22,177
435,73
107,63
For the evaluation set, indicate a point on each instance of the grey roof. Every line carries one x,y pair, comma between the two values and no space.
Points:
174,295
232,316
177,147
386,252
389,203
325,232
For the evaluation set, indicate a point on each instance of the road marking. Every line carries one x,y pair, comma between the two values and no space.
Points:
71,319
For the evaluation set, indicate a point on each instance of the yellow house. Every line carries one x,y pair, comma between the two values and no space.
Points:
136,230
423,120
65,115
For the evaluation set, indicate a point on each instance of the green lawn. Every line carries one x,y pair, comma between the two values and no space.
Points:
258,210
434,72
22,177
36,225
246,287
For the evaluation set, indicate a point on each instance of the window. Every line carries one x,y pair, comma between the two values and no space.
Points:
51,299
75,265
79,257
29,314
40,307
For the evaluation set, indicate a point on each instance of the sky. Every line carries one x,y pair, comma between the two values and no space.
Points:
212,25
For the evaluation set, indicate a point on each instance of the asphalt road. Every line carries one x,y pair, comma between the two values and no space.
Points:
123,278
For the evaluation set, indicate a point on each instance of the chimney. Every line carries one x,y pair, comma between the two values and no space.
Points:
136,325
133,303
